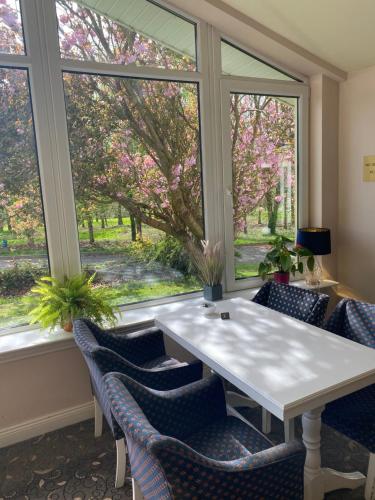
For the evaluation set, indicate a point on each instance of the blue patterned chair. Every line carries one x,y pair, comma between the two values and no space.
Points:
354,415
302,304
186,444
142,356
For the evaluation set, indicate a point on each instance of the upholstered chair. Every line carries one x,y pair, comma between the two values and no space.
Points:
354,415
302,304
186,443
142,356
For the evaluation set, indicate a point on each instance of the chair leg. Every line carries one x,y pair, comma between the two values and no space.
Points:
289,430
98,418
120,462
266,421
370,481
137,494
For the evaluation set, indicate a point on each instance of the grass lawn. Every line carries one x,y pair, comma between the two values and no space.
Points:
243,270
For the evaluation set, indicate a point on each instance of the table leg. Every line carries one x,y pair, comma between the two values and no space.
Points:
322,480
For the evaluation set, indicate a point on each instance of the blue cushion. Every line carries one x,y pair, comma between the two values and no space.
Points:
228,438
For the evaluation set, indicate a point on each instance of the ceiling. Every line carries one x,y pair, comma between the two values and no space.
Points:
177,34
340,32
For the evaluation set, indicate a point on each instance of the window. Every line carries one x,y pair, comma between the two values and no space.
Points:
137,181
127,141
139,33
237,62
263,134
23,252
11,34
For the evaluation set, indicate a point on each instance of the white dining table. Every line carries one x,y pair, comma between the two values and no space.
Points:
289,367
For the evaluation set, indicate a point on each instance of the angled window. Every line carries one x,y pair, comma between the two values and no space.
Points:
236,62
23,246
135,153
127,32
11,32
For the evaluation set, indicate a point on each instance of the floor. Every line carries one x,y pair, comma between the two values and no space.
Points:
71,464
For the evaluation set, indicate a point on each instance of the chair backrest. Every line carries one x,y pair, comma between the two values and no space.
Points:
354,320
165,418
133,351
302,304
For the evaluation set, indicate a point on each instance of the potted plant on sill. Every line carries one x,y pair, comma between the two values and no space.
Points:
285,260
62,301
209,263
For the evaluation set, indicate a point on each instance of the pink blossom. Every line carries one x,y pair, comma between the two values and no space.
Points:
279,198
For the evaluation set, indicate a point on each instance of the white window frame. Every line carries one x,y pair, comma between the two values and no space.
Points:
45,68
275,88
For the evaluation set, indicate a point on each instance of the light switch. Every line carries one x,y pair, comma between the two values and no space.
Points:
369,168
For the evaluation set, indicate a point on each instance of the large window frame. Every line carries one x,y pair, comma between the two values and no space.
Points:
45,66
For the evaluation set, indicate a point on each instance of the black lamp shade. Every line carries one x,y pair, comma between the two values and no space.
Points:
315,239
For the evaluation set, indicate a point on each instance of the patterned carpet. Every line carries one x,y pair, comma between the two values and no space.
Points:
71,464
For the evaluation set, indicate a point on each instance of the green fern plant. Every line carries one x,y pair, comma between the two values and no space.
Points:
62,301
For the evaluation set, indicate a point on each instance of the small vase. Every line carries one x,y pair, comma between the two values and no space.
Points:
281,277
214,292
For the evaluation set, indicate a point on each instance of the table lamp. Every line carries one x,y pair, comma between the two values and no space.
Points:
318,241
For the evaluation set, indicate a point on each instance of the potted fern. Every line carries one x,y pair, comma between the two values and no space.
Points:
62,301
283,260
209,264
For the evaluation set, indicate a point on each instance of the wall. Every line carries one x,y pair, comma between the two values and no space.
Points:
356,262
323,171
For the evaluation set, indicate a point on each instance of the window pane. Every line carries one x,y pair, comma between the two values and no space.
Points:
23,248
129,32
11,34
264,175
236,62
135,150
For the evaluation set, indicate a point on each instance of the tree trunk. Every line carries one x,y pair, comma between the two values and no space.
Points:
259,217
272,210
120,222
245,225
139,229
133,228
9,224
102,223
91,229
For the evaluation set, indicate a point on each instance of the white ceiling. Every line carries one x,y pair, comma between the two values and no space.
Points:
341,32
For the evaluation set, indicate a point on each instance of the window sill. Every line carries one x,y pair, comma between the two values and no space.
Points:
28,343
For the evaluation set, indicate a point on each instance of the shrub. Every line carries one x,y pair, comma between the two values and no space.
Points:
170,252
19,279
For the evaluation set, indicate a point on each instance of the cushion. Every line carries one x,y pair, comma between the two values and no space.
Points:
161,362
228,438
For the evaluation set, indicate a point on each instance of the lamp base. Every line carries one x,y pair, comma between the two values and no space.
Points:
314,277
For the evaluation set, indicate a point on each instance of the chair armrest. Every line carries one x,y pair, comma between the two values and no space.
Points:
317,315
264,474
138,347
261,297
179,412
161,379
335,322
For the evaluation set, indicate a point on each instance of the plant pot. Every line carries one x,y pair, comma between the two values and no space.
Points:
68,326
212,293
281,277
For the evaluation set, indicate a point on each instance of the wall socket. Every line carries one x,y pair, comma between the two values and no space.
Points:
369,168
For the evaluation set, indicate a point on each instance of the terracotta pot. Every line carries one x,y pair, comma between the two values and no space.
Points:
281,277
68,326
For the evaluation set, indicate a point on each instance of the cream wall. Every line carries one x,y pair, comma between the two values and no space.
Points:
356,258
323,168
